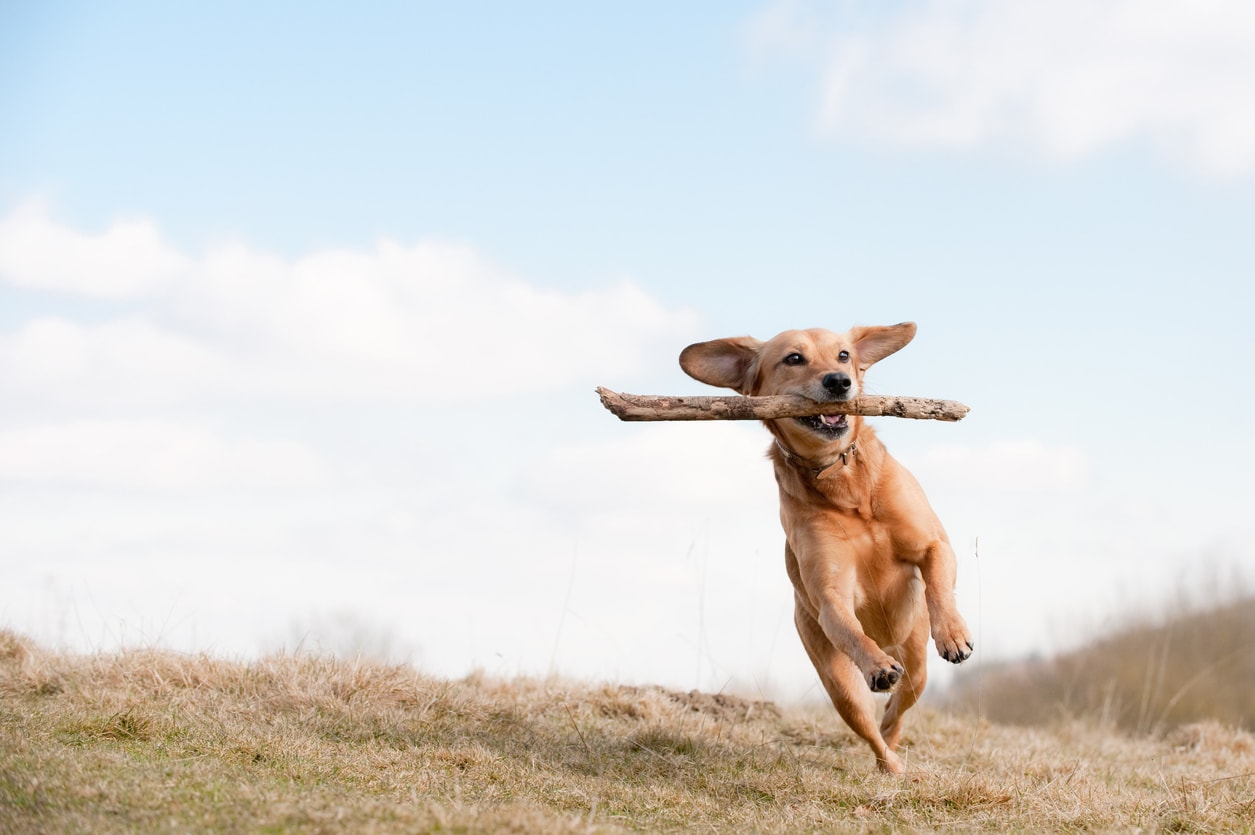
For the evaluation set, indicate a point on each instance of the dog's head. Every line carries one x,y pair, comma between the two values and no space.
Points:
814,363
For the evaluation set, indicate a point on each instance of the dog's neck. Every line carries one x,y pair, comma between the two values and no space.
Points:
845,479
819,469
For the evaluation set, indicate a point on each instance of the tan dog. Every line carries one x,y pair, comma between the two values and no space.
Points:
871,565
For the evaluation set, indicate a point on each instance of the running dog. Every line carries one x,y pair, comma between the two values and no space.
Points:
872,569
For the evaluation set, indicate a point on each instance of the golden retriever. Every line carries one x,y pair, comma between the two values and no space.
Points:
871,565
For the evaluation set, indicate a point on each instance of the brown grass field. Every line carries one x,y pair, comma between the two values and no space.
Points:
1150,675
149,741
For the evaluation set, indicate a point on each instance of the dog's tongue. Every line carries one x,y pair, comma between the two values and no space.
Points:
832,420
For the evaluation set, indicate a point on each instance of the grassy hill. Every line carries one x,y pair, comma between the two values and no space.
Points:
154,741
1155,672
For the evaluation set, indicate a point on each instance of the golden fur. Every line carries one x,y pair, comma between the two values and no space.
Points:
871,565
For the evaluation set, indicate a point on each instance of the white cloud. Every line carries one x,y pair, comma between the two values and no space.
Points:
237,440
1064,78
128,361
1005,467
146,454
126,260
409,323
716,466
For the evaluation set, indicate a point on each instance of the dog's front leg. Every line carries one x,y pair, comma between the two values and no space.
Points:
837,620
949,629
826,583
846,687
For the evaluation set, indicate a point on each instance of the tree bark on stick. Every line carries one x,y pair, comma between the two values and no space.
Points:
735,407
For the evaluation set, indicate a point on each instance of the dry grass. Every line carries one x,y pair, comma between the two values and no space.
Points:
152,741
1184,663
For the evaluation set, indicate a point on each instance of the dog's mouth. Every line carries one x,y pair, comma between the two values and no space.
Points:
830,426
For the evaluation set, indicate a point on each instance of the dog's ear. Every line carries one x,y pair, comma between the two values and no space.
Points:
872,344
729,363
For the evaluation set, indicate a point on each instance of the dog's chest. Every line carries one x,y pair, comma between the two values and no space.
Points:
846,492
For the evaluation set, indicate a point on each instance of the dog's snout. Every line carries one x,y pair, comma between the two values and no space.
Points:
838,382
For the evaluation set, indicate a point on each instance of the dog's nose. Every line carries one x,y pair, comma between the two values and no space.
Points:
838,382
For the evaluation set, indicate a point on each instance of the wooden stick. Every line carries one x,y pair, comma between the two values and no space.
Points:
735,407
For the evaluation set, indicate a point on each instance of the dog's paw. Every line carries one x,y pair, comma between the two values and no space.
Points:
958,656
885,678
955,651
954,643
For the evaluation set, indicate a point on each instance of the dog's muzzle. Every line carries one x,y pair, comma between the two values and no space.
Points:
830,426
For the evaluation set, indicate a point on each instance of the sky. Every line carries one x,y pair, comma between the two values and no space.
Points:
302,307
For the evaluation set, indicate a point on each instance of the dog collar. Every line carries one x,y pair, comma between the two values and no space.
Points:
844,457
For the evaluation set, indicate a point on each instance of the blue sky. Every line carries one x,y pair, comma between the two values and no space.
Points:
301,308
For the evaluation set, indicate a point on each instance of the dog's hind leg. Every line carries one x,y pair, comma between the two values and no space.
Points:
847,688
914,658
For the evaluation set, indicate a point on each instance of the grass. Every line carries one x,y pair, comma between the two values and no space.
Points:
1156,672
160,742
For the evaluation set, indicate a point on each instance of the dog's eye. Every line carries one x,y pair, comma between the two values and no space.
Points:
795,359
844,356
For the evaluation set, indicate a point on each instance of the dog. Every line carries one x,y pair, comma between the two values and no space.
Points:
872,569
